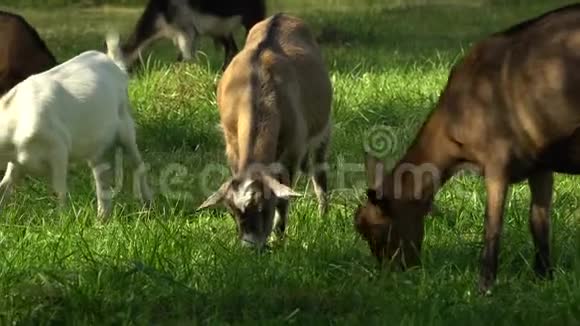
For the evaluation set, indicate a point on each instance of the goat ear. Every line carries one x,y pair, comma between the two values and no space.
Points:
374,171
217,197
375,198
279,189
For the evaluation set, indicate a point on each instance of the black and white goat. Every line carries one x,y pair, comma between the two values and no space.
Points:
184,21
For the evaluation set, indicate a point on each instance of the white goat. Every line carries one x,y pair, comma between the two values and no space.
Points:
78,110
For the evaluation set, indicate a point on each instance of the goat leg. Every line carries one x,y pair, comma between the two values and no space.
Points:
320,176
103,174
11,176
281,214
541,188
496,188
230,49
59,169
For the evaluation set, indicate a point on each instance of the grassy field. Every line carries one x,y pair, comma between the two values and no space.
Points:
173,266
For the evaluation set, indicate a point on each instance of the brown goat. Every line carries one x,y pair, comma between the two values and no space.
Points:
274,101
22,51
510,108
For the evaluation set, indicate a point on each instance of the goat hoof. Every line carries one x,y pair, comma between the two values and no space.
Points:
279,236
485,288
103,218
323,211
544,274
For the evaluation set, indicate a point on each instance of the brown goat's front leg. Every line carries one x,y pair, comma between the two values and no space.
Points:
282,207
232,152
541,188
496,187
281,218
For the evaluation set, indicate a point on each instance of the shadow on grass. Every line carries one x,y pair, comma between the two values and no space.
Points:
112,294
381,37
463,241
137,293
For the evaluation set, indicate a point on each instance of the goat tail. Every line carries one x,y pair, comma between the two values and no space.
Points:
114,50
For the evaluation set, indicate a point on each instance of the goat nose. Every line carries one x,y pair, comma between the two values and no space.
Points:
247,244
250,241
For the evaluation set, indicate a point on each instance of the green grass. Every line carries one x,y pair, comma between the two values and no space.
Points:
173,266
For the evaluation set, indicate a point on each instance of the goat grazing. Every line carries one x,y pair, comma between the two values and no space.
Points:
274,102
510,109
22,51
78,110
184,21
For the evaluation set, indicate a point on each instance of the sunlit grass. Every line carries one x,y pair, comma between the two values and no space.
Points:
172,265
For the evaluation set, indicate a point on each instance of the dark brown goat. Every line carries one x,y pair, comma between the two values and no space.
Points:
511,108
22,51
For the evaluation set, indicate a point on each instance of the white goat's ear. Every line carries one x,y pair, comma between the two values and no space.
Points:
279,189
217,197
